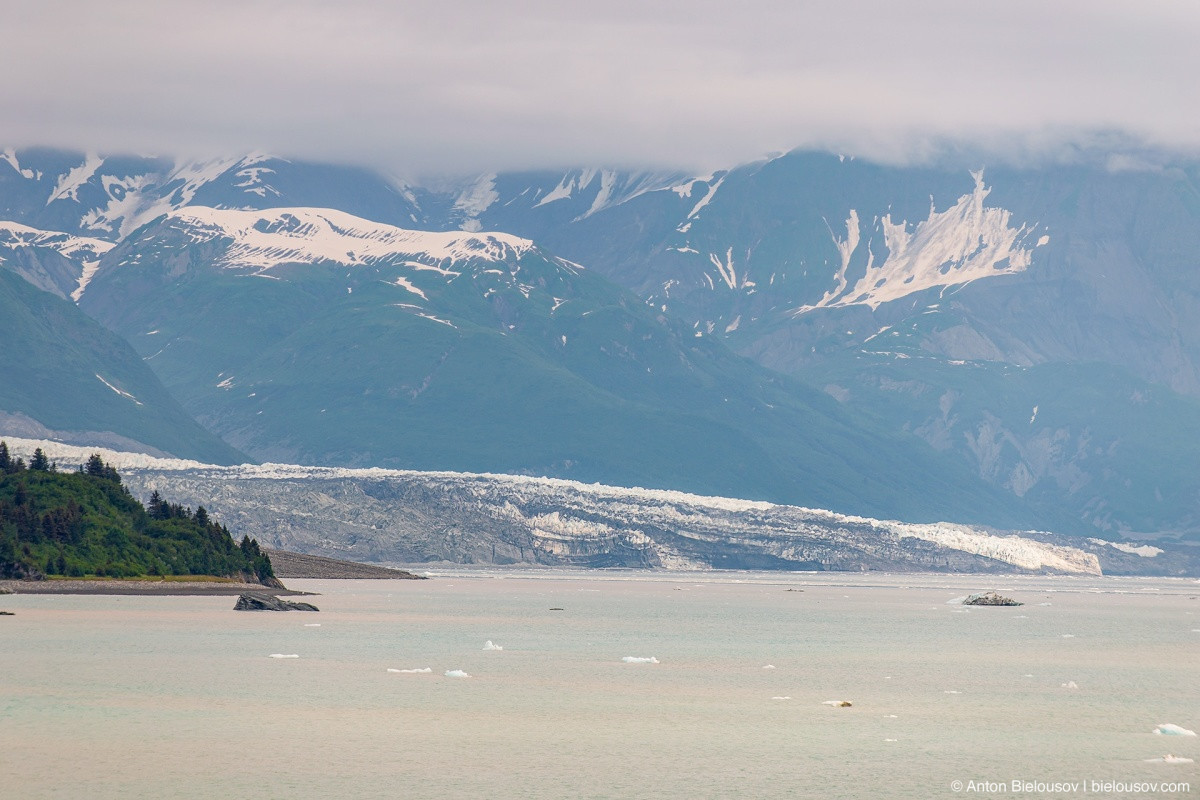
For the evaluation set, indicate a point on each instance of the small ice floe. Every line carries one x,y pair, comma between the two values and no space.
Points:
1167,729
1043,604
285,655
887,677
1169,759
456,673
1068,636
419,671
951,691
1027,675
1070,685
889,740
640,660
312,624
769,666
782,697
489,646
890,716
837,703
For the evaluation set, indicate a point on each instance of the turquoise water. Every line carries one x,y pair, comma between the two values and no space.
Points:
177,697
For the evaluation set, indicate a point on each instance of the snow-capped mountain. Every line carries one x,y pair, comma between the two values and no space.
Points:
109,197
407,516
1033,326
310,335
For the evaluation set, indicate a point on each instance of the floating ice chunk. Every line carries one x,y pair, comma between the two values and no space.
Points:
890,716
837,703
489,646
312,624
769,666
456,673
640,660
889,740
1027,675
951,691
1169,759
887,677
1167,729
1070,685
784,697
284,655
1068,636
420,671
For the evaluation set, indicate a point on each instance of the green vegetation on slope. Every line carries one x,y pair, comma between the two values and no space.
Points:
69,373
85,523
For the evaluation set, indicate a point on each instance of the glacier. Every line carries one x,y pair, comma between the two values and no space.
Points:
406,516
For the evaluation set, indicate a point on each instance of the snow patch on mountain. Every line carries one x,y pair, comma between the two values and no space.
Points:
262,240
476,199
964,243
121,392
83,250
68,185
10,155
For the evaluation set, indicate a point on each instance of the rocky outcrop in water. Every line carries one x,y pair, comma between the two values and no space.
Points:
252,601
990,599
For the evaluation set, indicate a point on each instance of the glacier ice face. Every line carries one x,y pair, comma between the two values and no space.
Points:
409,516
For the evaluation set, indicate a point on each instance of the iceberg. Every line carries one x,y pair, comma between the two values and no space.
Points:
489,646
456,673
837,703
1167,729
1070,685
640,660
411,671
284,655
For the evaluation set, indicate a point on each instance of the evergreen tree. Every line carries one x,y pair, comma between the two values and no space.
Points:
5,459
39,461
94,466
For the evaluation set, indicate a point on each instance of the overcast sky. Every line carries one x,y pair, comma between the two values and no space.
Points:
424,87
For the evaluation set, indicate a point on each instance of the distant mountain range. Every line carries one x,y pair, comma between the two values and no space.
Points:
1011,347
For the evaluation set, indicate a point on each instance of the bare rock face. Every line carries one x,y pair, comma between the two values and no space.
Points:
268,602
990,599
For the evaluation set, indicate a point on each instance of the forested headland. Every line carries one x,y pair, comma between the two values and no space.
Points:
83,522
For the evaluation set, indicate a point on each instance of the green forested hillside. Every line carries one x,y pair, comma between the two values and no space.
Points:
85,523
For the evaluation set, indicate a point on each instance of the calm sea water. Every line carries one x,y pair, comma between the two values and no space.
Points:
178,697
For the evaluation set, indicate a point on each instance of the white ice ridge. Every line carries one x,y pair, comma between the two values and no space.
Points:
456,673
640,660
260,240
418,671
964,243
1168,729
489,646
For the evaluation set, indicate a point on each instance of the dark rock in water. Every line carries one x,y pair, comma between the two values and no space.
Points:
990,599
6,614
269,602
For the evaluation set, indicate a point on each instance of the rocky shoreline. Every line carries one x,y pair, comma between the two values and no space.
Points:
162,588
